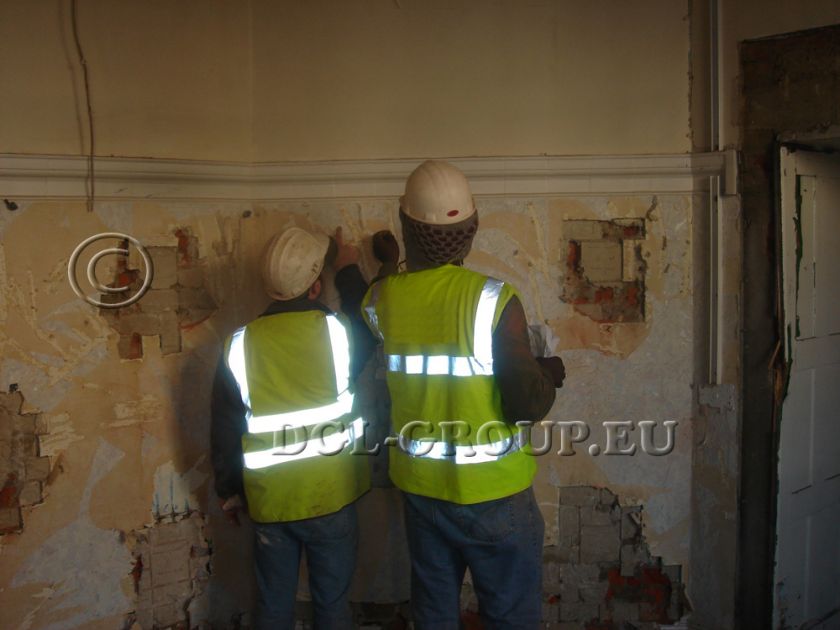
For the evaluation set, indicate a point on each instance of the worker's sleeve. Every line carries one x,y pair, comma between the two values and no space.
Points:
227,413
351,288
527,389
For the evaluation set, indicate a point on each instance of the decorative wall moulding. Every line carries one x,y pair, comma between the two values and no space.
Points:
39,176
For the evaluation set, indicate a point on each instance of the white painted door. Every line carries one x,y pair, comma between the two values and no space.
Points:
807,574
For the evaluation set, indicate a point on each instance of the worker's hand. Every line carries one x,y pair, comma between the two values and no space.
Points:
232,508
385,247
554,366
346,253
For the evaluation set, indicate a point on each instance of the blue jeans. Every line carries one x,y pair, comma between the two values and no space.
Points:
330,542
500,541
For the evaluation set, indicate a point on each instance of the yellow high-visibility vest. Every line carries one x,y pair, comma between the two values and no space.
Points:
303,455
436,327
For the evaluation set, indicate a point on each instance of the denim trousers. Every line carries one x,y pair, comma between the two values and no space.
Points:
499,541
330,543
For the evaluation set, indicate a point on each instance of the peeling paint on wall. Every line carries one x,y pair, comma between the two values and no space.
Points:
149,417
610,365
59,434
82,564
136,412
175,493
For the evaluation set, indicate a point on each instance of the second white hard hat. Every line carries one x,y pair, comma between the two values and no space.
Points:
437,193
292,263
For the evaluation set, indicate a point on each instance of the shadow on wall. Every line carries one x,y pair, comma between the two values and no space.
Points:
190,567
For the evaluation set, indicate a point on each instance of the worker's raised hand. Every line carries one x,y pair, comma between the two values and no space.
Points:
346,253
385,247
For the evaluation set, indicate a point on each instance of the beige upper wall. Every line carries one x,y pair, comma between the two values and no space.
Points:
333,79
416,78
750,19
168,79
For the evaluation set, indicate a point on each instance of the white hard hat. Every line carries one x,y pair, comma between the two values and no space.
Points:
437,193
292,263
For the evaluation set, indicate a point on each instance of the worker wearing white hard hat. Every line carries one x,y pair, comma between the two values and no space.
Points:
284,427
457,355
293,263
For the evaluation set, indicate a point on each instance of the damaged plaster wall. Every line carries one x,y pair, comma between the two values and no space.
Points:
119,399
23,469
125,434
125,427
611,366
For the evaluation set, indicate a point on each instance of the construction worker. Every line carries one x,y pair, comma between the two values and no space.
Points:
283,435
460,374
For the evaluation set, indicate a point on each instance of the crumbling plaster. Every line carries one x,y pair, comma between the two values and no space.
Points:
130,435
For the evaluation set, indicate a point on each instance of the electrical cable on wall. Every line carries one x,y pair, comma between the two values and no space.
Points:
83,62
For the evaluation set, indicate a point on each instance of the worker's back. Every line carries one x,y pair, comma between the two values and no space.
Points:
293,374
437,328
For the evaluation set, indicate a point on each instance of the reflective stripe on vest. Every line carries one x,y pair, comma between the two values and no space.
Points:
316,445
371,310
481,361
303,417
466,454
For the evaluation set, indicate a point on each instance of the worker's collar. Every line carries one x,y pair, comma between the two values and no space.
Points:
296,305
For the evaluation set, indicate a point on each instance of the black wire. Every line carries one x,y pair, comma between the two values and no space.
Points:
83,63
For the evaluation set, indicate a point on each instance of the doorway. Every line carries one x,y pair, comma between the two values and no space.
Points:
807,554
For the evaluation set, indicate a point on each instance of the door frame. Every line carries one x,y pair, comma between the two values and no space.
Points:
763,394
788,293
765,121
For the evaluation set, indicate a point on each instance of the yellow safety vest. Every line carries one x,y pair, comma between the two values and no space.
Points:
437,328
301,449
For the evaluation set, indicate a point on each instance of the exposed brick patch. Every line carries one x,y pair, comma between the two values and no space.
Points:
130,346
9,493
171,567
645,596
187,247
605,271
176,300
194,303
601,575
23,471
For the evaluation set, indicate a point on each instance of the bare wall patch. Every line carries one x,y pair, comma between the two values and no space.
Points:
600,574
87,594
605,271
170,569
23,469
176,301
